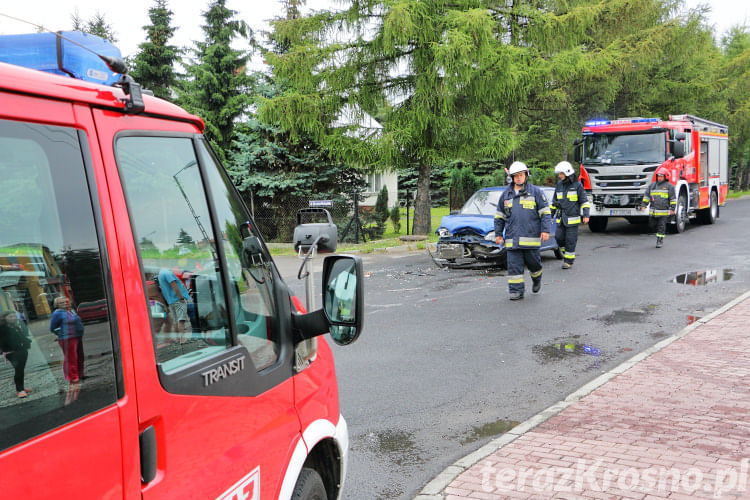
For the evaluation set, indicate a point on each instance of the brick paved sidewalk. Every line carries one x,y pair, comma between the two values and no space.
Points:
674,425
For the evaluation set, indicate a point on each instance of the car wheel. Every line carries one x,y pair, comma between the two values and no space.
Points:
680,214
309,486
598,224
558,254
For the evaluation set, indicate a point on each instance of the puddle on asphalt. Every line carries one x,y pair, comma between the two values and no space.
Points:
627,315
561,350
399,446
488,430
700,278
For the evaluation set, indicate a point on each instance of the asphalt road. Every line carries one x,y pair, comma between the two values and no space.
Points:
446,361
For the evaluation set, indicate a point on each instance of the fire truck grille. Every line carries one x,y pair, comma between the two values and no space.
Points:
629,182
617,200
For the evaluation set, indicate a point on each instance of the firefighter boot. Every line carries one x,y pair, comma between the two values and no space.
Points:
659,241
537,284
516,296
567,264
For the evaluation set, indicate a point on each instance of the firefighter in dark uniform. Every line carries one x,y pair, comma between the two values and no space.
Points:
660,195
523,213
572,207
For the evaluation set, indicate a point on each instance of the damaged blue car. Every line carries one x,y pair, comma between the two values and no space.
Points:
468,236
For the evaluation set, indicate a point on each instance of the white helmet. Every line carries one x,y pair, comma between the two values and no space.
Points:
564,167
516,167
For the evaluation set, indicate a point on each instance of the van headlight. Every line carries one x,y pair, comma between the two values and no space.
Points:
444,233
490,236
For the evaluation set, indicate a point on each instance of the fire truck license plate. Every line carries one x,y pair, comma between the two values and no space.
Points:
619,212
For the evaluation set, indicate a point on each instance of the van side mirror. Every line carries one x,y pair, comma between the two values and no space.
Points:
343,299
343,303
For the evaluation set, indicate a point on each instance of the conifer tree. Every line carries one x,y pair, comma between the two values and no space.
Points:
217,84
431,71
735,71
153,66
97,25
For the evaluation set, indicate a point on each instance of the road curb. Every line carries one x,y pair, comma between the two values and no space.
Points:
433,489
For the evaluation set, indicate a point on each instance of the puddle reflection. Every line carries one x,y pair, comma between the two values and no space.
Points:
561,350
700,278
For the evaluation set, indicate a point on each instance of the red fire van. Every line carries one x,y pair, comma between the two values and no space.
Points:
189,386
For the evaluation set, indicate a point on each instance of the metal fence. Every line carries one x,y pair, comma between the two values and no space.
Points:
276,219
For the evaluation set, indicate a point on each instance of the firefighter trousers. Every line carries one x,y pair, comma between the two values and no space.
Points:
659,224
567,238
516,261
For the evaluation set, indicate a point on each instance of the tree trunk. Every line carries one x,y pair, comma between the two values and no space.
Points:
422,203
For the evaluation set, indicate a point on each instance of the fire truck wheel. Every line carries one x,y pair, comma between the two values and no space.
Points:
710,214
598,224
309,486
680,214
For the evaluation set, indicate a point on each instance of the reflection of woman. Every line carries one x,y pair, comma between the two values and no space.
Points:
15,343
68,327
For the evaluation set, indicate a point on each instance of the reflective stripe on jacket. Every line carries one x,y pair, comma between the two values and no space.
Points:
661,197
570,202
523,216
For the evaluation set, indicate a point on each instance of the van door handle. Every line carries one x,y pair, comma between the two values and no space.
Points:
147,439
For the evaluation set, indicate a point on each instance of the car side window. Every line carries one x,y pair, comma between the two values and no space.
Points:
177,246
249,266
57,358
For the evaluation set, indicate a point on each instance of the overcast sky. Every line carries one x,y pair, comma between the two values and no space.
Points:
128,17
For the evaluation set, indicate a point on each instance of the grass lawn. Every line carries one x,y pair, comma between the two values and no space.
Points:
390,236
737,194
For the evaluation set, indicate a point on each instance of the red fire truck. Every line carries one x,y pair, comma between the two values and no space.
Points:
619,157
201,377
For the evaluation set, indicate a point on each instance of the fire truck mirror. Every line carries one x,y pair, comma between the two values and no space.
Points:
679,136
678,149
577,150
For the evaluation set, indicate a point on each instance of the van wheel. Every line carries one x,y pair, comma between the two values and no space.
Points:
598,224
309,486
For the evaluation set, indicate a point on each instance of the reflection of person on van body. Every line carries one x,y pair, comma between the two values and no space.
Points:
68,327
15,343
177,298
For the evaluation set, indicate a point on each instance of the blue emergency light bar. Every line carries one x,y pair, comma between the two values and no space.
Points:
597,123
57,54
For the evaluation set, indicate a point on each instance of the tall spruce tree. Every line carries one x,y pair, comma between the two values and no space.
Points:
97,25
735,80
432,71
217,84
153,66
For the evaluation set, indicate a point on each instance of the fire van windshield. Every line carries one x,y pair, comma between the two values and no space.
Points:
625,149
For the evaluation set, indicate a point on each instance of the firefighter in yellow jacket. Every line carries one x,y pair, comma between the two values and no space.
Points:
571,207
660,195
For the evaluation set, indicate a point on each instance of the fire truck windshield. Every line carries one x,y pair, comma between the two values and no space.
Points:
624,149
